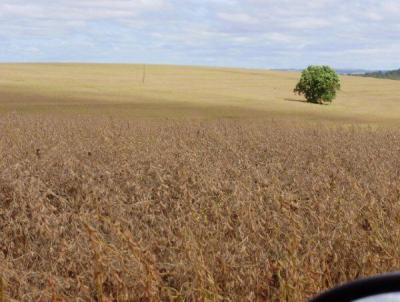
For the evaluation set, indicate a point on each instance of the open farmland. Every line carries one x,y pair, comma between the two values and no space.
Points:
115,190
187,92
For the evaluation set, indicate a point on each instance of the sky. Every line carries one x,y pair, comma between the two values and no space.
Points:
243,33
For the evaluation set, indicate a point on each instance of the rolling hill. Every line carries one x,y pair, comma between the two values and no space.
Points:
197,184
186,92
392,74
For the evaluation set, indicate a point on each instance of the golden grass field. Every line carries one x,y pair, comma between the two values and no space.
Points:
199,185
187,92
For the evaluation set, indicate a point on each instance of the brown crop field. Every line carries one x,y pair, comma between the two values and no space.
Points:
149,199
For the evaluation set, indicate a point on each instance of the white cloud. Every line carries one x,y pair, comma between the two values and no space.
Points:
82,10
260,33
238,18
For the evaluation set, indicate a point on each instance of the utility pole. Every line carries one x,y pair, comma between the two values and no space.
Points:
144,73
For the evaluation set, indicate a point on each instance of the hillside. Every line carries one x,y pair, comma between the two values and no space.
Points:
200,184
186,92
392,74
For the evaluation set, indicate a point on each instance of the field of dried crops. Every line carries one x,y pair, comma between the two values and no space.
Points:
95,208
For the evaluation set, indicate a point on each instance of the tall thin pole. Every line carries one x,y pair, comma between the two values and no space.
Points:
144,73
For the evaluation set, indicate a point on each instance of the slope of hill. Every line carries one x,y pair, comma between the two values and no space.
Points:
117,189
186,92
392,74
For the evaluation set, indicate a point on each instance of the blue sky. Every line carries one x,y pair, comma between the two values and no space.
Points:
243,33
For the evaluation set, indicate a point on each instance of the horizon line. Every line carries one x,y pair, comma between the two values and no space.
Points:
184,65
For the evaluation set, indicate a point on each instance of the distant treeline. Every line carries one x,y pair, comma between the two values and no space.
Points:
392,74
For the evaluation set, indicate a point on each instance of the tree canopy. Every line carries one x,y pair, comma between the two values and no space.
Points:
318,84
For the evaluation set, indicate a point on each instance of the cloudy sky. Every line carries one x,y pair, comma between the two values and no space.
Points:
246,33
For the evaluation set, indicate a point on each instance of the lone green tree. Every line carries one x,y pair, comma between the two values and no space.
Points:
319,84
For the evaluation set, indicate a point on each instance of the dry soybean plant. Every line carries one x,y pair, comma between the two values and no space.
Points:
146,210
